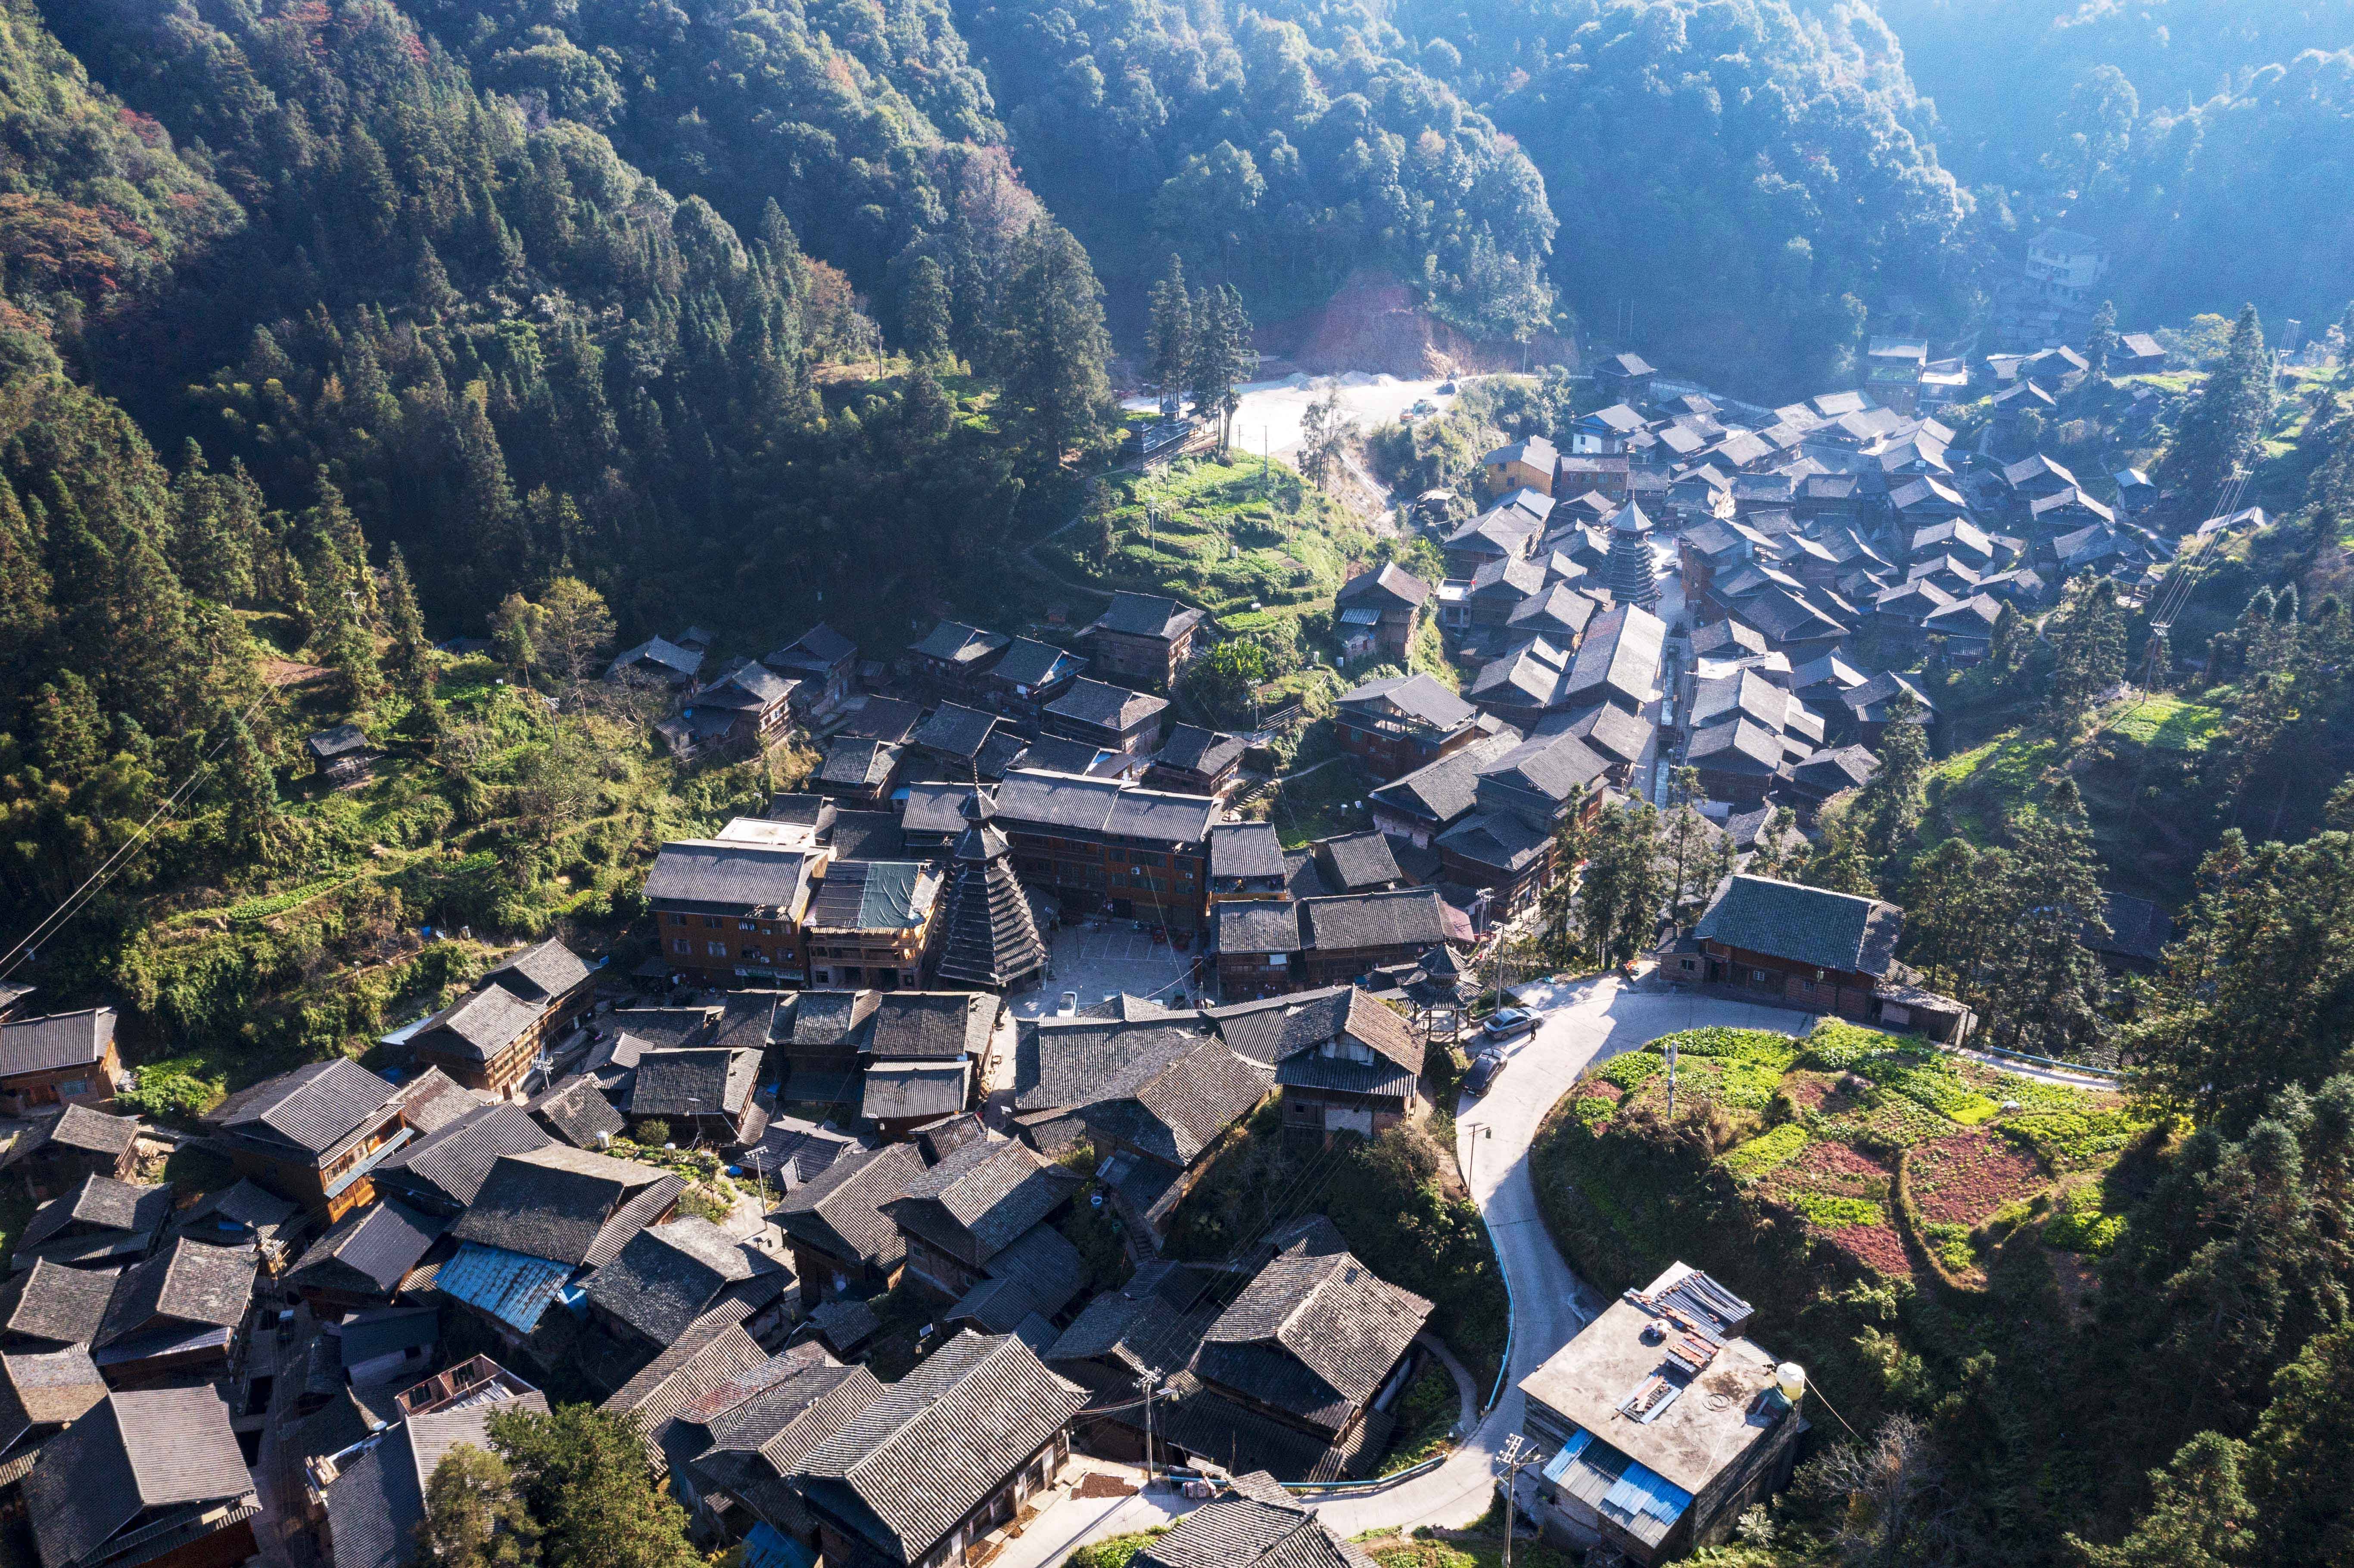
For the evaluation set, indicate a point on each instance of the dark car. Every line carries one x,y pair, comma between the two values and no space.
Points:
1509,1022
1484,1068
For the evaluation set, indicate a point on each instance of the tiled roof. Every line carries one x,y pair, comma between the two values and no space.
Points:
936,1025
1060,1063
1185,1106
100,1202
868,836
373,1249
544,969
1406,917
668,1275
447,1169
821,647
921,1455
1255,1526
566,1204
1446,788
956,643
577,1111
883,718
729,875
1357,860
1197,750
60,1040
1313,1335
188,1282
1099,706
155,1449
1391,584
860,764
1157,1319
706,1081
1418,696
840,1211
1258,926
483,1022
1270,1029
980,1199
51,1301
1620,655
955,731
1500,840
81,1129
833,1018
1146,615
1739,747
710,1351
1804,924
906,1091
1030,662
46,1389
432,1101
313,1109
1039,1273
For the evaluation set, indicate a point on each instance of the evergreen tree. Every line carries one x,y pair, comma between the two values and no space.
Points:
472,1517
215,525
582,1474
1625,885
1558,910
2090,647
1842,858
406,656
927,315
1054,379
2199,1519
2301,1453
1221,358
1170,338
515,633
572,630
1888,808
2103,340
2045,987
2225,427
250,790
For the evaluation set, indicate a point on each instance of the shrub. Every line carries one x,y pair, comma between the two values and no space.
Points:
1593,1110
2079,1224
1631,1071
166,1095
1117,1552
652,1133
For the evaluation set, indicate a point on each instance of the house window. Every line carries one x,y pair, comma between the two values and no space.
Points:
682,946
74,1086
716,949
713,922
747,924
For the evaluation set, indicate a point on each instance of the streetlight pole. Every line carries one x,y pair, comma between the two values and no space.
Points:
1146,1382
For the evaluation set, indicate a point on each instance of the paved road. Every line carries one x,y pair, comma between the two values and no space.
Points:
1587,1021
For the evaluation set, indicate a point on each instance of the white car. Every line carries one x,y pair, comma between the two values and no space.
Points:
1068,1005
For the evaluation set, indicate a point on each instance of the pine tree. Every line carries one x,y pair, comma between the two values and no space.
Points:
1221,358
1625,885
2198,1517
472,1517
250,791
2300,1454
1888,808
2045,986
926,315
2225,427
582,1474
1055,380
2090,656
1842,860
1170,338
1941,900
406,656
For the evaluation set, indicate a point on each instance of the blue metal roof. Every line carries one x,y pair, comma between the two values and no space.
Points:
768,1548
513,1286
1559,1464
1641,1490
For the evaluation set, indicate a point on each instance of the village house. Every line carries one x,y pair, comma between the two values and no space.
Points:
1500,534
1103,845
97,1222
823,665
154,1478
1027,676
871,923
1145,638
962,744
748,708
366,1259
1419,806
1344,1060
574,1111
175,1317
731,910
1402,722
341,755
312,1134
1627,378
725,1440
489,1038
1528,465
60,1150
981,1420
704,1093
953,657
1255,1523
67,1058
1382,605
981,1200
1111,718
1793,945
656,662
41,1395
538,1221
672,1274
859,774
442,1172
1659,1425
1196,761
925,1052
843,1243
1245,862
376,1498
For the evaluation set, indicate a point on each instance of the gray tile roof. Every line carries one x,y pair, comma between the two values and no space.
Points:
60,1040
432,1101
577,1111
1621,656
81,1129
99,1202
1038,1275
933,1025
187,1283
46,1389
917,1458
955,731
980,1199
1406,917
840,1211
312,1110
956,643
935,808
729,875
1161,817
1418,696
1314,1335
703,1081
1498,840
1147,615
1185,1107
1268,1031
447,1169
868,835
668,1275
377,1500
1258,926
860,764
821,647
1740,746
883,718
711,1352
833,1017
157,1449
1804,924
566,1204
1197,750
371,1250
1607,728
481,1023
1060,1063
908,1091
1446,788
542,971
51,1301
1256,1525
761,1422
1157,1319
1389,584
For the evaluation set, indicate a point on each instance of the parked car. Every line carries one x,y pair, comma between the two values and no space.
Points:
1484,1068
1422,408
1509,1022
1067,1004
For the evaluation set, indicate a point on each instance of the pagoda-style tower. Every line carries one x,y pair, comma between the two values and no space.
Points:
987,937
1633,580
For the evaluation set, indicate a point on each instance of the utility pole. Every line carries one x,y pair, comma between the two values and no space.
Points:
1152,1376
1671,1080
1517,1453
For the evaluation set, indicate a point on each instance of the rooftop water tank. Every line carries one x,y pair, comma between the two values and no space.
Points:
1790,1379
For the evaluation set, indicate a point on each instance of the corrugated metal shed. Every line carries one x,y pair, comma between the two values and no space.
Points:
513,1286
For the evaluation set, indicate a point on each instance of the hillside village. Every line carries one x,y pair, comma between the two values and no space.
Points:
851,1171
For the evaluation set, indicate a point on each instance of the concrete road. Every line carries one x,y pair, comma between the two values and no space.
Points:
1585,1023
